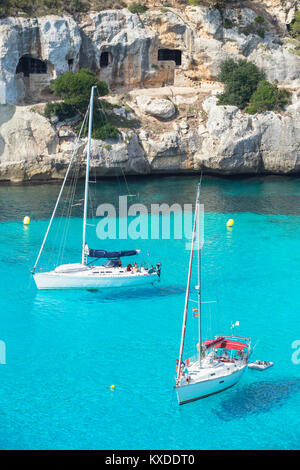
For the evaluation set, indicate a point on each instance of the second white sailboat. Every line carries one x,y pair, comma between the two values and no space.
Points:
220,362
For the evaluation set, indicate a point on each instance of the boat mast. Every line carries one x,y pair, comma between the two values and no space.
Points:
60,193
87,175
187,293
199,273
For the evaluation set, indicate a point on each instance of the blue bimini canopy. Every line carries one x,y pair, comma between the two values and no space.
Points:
111,254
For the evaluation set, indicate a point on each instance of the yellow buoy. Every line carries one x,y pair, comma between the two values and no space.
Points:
230,223
112,387
26,220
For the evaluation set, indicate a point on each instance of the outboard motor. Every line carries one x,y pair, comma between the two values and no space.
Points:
158,268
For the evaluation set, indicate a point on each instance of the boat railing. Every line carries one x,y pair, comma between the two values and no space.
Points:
234,337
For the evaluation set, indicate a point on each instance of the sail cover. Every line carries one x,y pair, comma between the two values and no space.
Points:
225,344
111,254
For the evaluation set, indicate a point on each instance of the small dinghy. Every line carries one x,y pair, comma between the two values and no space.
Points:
260,365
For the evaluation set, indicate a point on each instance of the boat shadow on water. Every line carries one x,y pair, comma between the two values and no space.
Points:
109,294
256,398
135,293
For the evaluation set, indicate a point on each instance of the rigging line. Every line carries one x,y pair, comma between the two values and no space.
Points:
187,293
68,207
100,108
118,180
72,196
128,192
92,190
55,207
86,188
65,220
69,211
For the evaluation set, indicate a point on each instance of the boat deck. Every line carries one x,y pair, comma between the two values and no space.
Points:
211,369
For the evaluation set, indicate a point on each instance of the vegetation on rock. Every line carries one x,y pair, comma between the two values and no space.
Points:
74,89
137,8
43,7
240,79
268,97
247,88
295,26
60,109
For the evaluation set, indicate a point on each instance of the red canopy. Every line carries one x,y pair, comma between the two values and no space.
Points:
225,344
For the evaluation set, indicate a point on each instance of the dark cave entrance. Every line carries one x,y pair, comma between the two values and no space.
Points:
289,25
104,59
170,54
28,65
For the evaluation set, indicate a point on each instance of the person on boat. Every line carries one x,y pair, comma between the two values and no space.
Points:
225,356
119,262
135,267
129,267
186,374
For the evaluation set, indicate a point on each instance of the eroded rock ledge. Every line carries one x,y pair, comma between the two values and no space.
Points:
218,139
171,94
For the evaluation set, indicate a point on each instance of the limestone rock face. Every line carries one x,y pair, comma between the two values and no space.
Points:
227,142
281,63
173,47
32,149
127,153
123,48
236,143
157,107
53,39
127,43
28,146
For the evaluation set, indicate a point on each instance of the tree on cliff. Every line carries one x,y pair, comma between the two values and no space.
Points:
74,89
295,26
245,86
240,81
268,97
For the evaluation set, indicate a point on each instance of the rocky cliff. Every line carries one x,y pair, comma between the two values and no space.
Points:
161,68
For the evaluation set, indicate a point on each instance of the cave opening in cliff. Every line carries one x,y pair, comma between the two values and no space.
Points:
29,65
70,64
104,59
289,26
170,54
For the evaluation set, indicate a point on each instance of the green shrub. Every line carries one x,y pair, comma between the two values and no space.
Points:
260,32
240,81
254,28
137,8
228,24
259,19
295,26
102,128
61,110
107,131
195,2
75,88
268,97
58,7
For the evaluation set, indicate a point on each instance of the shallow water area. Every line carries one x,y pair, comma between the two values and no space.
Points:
65,349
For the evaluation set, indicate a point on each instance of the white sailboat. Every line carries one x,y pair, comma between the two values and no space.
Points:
220,362
83,275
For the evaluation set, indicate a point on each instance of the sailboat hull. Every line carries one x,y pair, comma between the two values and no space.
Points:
204,388
51,280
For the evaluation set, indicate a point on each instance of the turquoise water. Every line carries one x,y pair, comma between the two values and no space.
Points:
65,349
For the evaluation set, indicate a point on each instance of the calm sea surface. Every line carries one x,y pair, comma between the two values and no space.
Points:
65,349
